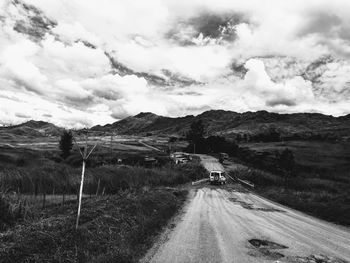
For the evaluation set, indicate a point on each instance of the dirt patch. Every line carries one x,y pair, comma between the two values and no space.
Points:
266,254
314,259
251,206
266,249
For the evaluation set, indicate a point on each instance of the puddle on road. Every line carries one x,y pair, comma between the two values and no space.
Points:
251,206
266,249
259,243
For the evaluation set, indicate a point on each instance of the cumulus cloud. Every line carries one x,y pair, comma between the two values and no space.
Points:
171,58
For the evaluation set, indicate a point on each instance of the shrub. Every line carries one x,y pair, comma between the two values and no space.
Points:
66,143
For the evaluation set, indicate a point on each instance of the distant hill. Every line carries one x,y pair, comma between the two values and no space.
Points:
217,122
32,129
229,123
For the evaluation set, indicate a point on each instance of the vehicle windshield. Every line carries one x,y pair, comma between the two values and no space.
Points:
215,174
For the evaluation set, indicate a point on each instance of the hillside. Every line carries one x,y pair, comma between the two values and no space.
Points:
31,129
230,123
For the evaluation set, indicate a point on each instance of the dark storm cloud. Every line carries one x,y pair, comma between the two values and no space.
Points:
238,69
26,85
344,32
189,93
108,94
328,25
35,24
321,23
120,115
21,115
316,69
170,80
210,25
79,102
278,102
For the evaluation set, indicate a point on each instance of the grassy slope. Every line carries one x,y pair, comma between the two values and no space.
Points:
324,198
116,228
325,159
323,182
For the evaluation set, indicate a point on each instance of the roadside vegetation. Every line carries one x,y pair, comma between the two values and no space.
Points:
21,185
113,228
125,204
323,198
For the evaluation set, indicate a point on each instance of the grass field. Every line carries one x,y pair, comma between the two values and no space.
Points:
319,159
323,193
114,228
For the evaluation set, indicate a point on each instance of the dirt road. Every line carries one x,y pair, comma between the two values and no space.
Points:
233,225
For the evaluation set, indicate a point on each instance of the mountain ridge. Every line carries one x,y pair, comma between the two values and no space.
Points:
217,122
228,123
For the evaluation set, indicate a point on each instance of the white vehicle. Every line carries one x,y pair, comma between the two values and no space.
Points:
179,157
217,177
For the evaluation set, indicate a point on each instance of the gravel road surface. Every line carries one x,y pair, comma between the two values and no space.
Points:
231,224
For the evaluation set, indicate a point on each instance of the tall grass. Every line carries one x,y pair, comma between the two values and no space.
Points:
116,228
27,190
53,178
324,198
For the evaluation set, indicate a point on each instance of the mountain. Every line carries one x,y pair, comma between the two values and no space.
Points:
32,129
217,122
229,123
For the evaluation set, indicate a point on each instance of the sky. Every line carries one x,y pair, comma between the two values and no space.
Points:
81,63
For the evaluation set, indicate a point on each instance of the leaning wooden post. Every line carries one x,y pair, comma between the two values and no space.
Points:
81,187
85,155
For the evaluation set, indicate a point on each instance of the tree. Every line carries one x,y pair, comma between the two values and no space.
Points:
286,162
66,143
196,131
218,144
195,137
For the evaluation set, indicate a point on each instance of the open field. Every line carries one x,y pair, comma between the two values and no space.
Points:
324,198
323,159
36,151
51,143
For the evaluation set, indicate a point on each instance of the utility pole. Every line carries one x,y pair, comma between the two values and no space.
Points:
85,155
111,143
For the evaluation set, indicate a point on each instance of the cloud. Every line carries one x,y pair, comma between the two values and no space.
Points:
174,57
21,115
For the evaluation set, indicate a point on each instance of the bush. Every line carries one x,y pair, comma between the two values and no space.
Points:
6,217
11,212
